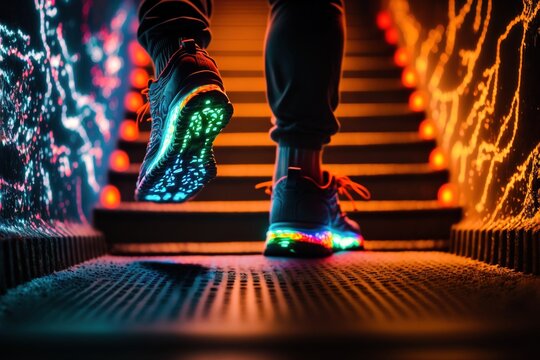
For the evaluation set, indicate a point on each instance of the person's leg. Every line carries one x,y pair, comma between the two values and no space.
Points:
187,100
303,56
163,22
304,52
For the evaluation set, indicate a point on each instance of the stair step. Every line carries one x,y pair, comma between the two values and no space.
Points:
383,72
345,85
359,96
258,32
346,148
385,181
202,221
350,63
357,47
377,121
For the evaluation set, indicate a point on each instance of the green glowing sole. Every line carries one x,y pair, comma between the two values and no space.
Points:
186,163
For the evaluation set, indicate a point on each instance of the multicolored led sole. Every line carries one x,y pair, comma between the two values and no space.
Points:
309,243
185,159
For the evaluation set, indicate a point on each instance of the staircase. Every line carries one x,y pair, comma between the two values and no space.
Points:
378,145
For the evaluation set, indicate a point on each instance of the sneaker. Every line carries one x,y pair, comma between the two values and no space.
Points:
189,108
306,219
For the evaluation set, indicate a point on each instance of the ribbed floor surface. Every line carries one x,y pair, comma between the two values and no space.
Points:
358,286
364,298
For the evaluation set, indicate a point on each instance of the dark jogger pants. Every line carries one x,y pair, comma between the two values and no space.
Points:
303,55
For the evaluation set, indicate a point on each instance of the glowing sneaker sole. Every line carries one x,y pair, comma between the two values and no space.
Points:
185,160
294,242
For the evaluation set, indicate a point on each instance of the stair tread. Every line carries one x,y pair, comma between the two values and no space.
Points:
266,170
350,62
262,206
343,110
258,83
261,139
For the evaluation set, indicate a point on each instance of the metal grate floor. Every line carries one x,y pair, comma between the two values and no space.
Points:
361,295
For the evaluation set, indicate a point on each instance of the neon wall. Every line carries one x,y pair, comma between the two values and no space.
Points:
62,73
478,62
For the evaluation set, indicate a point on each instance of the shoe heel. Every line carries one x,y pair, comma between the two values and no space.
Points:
298,242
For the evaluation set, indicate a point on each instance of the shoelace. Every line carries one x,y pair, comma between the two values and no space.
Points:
344,185
145,108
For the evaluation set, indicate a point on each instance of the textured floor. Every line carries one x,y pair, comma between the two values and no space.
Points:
395,299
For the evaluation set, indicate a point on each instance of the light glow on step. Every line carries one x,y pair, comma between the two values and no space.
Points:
417,101
427,130
129,131
133,101
139,78
401,57
409,78
384,20
138,55
447,195
119,160
110,197
391,36
437,159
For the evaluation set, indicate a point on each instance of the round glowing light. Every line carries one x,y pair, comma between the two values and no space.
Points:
401,57
384,20
113,65
391,36
110,197
409,78
133,101
447,195
437,159
426,130
138,78
417,101
119,160
129,130
138,55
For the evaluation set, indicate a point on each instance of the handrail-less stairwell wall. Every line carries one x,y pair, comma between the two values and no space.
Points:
61,85
478,62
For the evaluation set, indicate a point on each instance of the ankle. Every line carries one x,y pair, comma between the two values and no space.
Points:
308,160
